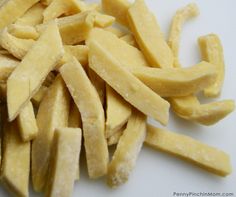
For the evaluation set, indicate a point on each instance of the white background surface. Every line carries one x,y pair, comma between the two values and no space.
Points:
158,174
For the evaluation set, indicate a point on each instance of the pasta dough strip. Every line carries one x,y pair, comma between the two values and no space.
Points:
53,113
191,150
127,85
26,79
87,100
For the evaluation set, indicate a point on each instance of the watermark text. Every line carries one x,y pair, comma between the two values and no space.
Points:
202,194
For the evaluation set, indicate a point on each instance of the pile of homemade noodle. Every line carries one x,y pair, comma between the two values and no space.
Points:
70,76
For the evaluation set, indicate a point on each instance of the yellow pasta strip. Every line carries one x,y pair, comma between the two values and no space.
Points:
26,79
189,107
60,7
33,16
181,16
64,162
7,66
10,10
15,167
118,112
118,9
103,20
202,155
87,100
75,28
127,151
149,36
53,113
23,31
27,123
114,139
74,117
99,85
16,46
208,114
212,51
38,97
126,84
171,82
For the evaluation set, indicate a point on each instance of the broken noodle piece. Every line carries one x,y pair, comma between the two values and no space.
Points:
212,51
118,112
127,151
64,162
171,82
7,66
208,114
60,7
26,79
53,113
181,16
15,169
23,31
87,100
16,46
191,150
102,20
33,16
148,34
10,10
75,121
27,123
75,29
118,9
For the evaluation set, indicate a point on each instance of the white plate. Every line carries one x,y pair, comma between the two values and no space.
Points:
158,174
